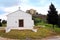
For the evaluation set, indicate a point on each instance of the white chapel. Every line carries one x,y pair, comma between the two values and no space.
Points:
20,20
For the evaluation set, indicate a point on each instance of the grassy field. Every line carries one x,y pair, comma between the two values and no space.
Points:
42,32
4,25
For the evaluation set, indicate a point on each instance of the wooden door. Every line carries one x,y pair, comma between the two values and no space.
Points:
21,23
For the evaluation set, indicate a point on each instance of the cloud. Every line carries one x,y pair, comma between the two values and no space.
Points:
8,10
25,5
11,9
41,9
3,16
42,6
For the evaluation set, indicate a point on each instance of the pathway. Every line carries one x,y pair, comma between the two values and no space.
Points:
52,38
1,38
49,38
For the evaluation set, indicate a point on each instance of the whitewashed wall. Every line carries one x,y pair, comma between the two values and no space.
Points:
13,20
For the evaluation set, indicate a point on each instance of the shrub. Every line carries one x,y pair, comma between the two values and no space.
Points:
0,24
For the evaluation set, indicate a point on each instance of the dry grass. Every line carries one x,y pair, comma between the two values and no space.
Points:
22,34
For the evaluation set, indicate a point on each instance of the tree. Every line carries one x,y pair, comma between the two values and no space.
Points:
59,21
52,16
4,21
37,20
0,23
0,20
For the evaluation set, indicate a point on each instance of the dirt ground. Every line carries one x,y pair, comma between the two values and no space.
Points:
48,38
1,38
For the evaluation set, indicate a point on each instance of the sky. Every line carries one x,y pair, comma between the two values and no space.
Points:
41,6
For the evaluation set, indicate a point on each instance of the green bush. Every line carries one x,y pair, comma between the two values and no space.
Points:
57,30
0,24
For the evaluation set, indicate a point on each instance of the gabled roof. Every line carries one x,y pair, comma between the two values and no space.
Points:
17,11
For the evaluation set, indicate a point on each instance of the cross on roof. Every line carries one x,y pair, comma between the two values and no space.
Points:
19,8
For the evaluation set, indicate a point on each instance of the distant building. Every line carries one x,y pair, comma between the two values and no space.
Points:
31,11
36,14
